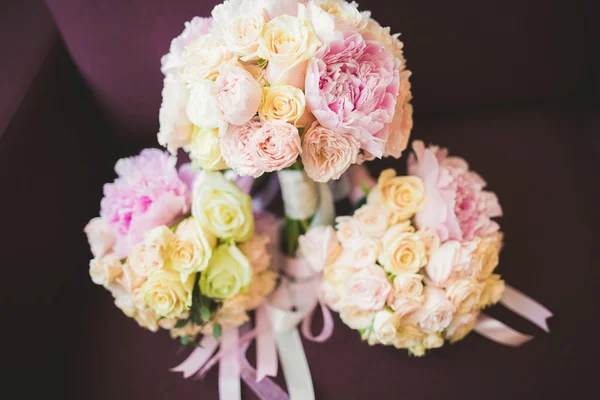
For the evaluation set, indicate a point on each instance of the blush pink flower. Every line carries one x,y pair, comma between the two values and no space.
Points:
275,146
327,154
238,94
401,125
351,87
100,237
319,247
172,62
457,207
235,147
368,288
148,192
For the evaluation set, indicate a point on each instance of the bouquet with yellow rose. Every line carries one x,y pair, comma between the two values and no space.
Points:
191,273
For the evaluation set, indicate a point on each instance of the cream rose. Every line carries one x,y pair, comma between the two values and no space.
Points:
431,239
493,289
232,313
465,295
165,293
100,237
409,337
333,16
205,150
123,299
403,251
368,288
139,261
283,103
403,195
257,253
319,247
437,310
147,319
361,251
446,261
238,24
346,228
228,273
336,276
461,326
356,318
409,284
287,42
202,107
327,154
202,59
433,341
407,307
191,251
487,255
129,279
373,220
157,241
222,207
384,326
329,295
105,270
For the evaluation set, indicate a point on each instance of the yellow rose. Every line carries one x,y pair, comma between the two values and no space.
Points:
403,195
487,255
149,256
433,341
190,252
228,273
166,294
409,336
205,150
222,207
283,103
402,250
105,270
493,289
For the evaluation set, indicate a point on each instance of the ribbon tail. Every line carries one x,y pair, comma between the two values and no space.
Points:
266,353
295,366
229,367
498,332
327,324
526,307
198,357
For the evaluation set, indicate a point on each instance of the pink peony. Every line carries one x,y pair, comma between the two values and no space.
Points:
327,154
172,62
238,94
351,87
148,192
401,125
457,207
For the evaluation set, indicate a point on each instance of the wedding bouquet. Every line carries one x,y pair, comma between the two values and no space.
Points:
266,85
191,274
414,265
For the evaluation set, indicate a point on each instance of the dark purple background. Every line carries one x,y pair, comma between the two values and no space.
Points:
510,85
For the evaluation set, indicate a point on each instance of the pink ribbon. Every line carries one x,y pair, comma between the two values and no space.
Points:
520,304
233,364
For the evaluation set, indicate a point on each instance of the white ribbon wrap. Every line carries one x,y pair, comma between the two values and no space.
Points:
299,192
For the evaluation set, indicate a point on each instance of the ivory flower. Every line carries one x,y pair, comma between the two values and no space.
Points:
100,237
493,289
437,310
384,326
165,293
361,251
228,273
191,251
205,150
406,306
368,288
373,220
222,208
319,247
356,318
202,108
176,129
346,228
202,59
283,103
461,326
403,251
487,255
465,295
105,270
402,195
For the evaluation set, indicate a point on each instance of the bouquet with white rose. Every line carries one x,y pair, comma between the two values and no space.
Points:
191,274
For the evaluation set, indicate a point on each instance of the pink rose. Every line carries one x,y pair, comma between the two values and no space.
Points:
437,311
148,192
401,125
238,94
100,237
457,206
369,288
351,87
236,147
319,247
327,154
172,62
275,146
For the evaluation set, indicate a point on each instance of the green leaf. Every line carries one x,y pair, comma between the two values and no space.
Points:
181,323
217,331
185,340
205,311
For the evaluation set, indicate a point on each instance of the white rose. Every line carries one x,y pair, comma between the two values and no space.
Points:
202,59
409,284
356,318
105,270
437,310
443,262
202,105
384,325
373,220
175,127
346,228
461,326
493,289
361,251
465,294
333,16
205,150
238,24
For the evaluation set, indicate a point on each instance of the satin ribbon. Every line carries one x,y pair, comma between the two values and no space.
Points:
232,361
520,304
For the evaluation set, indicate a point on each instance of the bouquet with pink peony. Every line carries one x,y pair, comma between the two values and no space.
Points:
179,250
415,264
